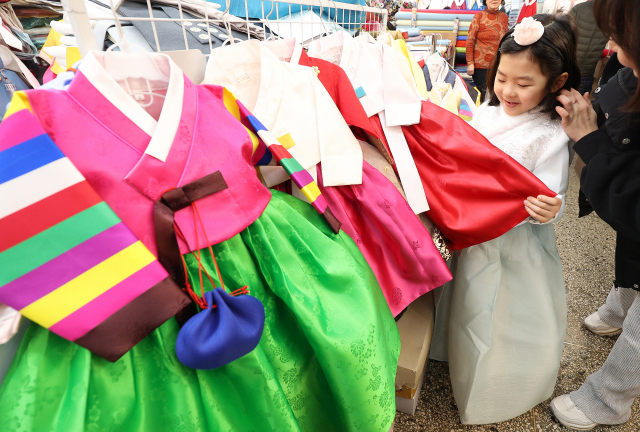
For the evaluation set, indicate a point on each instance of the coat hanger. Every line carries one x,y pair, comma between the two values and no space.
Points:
334,21
273,36
227,26
127,65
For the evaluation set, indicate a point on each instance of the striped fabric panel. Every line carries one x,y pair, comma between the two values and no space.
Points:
67,266
270,150
261,154
465,111
68,262
26,223
81,290
89,316
298,174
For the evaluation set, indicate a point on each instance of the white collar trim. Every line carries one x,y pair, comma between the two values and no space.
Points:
163,131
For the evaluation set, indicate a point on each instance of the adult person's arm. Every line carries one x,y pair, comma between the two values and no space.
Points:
610,178
471,43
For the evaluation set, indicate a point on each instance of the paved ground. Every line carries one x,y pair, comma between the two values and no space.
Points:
587,250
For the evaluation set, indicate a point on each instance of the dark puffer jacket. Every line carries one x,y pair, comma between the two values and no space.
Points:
611,179
591,41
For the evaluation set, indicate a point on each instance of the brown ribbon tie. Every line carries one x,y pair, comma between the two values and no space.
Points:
164,216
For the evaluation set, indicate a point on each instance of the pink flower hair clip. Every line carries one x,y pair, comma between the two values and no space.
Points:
528,31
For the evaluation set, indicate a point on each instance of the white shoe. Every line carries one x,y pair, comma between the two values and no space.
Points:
570,415
594,323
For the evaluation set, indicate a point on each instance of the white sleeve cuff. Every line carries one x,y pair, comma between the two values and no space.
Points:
403,114
9,323
342,170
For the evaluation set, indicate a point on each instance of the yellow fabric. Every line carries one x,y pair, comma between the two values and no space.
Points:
451,103
53,39
73,55
286,141
76,293
19,101
416,70
311,191
231,104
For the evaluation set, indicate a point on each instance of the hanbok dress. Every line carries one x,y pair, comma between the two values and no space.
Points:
501,322
328,354
529,9
460,173
372,212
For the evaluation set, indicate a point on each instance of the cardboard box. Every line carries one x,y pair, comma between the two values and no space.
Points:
416,329
408,406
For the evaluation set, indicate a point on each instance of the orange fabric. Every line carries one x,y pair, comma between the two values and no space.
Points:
485,32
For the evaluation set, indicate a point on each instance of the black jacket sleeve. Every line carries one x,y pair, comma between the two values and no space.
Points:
611,182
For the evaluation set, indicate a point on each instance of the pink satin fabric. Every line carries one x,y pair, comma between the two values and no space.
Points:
396,245
108,149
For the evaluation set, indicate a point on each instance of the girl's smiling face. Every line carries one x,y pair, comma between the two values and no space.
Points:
520,85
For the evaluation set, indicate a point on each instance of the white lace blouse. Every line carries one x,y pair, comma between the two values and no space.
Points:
534,140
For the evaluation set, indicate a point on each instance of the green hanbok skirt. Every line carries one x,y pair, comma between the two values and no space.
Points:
326,361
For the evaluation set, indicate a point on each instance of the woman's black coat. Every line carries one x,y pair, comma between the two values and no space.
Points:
611,178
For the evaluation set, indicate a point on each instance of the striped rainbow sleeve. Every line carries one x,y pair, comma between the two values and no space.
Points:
465,111
68,262
261,154
267,150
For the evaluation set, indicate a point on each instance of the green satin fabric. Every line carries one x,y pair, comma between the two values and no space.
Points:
326,361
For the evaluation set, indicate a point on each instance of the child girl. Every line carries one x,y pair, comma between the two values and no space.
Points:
503,318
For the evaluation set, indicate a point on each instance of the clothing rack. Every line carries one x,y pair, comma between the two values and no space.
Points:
307,19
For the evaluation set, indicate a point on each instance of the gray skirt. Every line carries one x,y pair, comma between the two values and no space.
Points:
501,324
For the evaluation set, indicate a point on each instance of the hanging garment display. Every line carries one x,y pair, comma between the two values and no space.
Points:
529,9
91,281
457,166
373,213
333,79
437,71
316,372
385,85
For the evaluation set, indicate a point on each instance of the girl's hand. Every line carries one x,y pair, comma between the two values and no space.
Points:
578,117
470,69
543,208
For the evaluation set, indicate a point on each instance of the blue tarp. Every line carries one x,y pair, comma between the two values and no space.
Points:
254,10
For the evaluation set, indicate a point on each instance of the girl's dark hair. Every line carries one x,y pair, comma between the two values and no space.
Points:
555,53
620,20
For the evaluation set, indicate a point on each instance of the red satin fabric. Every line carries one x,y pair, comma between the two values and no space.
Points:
476,192
337,84
528,11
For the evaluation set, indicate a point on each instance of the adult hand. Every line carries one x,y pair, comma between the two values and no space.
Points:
578,117
470,69
543,208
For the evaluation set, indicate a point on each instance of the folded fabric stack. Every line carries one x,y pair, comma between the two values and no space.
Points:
434,21
20,26
35,21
